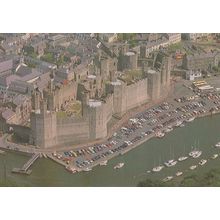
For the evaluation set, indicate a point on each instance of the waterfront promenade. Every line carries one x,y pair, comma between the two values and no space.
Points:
166,115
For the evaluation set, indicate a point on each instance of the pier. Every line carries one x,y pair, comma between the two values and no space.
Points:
27,165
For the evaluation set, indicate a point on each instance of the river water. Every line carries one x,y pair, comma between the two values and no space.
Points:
203,133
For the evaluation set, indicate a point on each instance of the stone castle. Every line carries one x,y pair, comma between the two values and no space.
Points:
104,94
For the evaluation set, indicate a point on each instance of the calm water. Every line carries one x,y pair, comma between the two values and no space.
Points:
203,133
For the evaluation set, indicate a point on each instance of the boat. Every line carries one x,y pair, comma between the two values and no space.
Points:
193,167
119,165
195,153
182,125
178,123
214,156
160,134
87,169
202,162
190,119
217,145
168,178
179,173
170,163
71,169
157,169
182,158
148,171
168,129
103,163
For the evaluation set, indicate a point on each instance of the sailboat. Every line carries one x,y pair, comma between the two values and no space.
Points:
183,157
195,153
158,168
170,163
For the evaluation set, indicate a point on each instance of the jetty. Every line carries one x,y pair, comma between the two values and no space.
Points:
25,169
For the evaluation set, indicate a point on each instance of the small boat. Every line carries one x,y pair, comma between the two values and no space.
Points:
168,178
182,125
178,123
157,169
214,156
193,167
190,119
182,158
202,162
160,134
170,163
148,171
217,145
167,130
71,169
179,173
103,163
195,153
87,169
119,165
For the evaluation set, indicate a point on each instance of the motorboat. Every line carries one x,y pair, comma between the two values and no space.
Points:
182,158
103,163
71,169
193,167
167,130
178,123
160,134
119,165
87,169
214,156
170,163
179,173
157,169
190,119
168,178
182,125
202,162
217,145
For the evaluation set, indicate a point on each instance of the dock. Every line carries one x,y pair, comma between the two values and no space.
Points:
25,169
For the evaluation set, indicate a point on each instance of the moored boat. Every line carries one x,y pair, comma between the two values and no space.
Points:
119,165
168,178
87,169
179,173
157,169
193,167
190,119
103,163
71,169
214,156
217,145
170,163
202,162
182,158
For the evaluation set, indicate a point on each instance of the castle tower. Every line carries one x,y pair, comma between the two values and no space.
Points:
35,100
168,69
85,100
154,84
43,126
143,51
97,119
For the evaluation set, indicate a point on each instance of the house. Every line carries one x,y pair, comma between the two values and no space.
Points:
192,75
